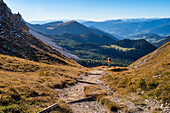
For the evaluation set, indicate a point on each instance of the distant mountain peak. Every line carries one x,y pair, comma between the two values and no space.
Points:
53,23
70,27
69,22
128,28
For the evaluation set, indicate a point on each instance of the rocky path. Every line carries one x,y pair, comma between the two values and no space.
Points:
76,92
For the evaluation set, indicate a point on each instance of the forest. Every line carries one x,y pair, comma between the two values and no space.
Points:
93,54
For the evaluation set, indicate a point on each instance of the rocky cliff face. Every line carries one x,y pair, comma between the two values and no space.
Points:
6,14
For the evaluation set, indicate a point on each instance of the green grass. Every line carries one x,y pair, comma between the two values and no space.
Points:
119,48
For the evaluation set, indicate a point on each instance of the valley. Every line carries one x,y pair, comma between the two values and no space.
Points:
62,66
51,43
93,50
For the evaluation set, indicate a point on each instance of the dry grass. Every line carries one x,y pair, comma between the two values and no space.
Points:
117,69
111,105
27,86
152,78
99,67
94,90
14,64
155,58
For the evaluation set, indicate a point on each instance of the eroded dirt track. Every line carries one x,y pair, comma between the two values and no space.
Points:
76,92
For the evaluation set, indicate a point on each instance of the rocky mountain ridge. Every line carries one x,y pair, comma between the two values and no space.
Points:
5,13
16,41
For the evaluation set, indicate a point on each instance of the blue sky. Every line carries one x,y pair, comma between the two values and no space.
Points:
98,10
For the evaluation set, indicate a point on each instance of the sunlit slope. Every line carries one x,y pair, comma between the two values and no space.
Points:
150,75
28,86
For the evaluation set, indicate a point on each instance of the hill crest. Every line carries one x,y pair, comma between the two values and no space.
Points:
144,60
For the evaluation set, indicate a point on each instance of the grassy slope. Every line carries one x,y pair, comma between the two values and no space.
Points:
146,76
29,86
162,42
17,42
28,79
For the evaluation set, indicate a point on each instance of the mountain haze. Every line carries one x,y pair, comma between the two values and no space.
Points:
71,27
128,29
151,38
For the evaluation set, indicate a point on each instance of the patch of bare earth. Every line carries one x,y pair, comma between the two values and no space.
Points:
76,92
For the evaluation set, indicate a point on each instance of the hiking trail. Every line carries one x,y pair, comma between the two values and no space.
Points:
76,92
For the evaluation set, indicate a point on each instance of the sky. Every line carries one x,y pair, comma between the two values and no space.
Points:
96,10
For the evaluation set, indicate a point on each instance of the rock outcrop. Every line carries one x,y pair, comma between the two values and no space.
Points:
5,13
15,40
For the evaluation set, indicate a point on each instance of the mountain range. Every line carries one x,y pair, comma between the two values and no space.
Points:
151,37
71,27
91,47
35,75
128,29
55,20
